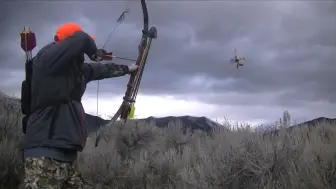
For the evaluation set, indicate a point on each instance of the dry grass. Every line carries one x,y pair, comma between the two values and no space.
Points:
139,155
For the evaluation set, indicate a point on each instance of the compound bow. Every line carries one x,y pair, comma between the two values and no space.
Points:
126,110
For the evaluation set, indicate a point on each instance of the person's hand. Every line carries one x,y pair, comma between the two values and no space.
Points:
101,54
104,55
133,68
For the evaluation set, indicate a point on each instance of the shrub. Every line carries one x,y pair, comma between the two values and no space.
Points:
11,162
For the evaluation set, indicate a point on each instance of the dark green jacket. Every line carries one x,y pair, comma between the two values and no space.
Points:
57,124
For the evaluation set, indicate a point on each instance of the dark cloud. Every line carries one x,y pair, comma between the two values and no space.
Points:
290,48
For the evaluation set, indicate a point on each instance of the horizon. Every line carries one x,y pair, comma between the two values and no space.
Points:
107,115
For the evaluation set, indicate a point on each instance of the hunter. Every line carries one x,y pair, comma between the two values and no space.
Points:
55,130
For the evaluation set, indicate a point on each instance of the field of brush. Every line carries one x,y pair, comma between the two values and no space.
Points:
143,156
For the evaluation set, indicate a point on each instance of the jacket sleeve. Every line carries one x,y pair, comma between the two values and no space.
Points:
95,71
59,55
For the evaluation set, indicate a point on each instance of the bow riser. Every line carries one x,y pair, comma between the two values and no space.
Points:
139,63
133,85
152,35
139,75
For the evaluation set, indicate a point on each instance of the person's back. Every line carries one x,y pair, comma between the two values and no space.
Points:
55,129
56,110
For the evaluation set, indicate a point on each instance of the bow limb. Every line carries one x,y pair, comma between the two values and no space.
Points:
135,78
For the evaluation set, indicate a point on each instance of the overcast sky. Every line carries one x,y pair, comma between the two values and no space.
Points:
290,50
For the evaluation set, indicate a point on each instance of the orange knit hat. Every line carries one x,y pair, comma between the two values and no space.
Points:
67,30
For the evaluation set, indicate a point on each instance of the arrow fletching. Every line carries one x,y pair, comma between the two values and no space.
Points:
28,39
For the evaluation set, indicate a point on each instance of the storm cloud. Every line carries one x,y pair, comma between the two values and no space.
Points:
290,50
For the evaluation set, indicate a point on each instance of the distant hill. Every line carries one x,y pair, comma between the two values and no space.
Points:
311,123
314,122
188,122
191,122
94,122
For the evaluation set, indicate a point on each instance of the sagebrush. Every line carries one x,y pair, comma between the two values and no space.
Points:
141,155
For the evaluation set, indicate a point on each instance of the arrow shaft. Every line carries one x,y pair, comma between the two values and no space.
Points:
122,58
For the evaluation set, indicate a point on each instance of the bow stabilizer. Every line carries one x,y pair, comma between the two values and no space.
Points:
127,108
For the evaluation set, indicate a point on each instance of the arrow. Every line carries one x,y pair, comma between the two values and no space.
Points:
122,58
117,57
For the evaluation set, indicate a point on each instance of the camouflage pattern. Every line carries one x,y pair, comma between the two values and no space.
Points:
46,173
116,70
